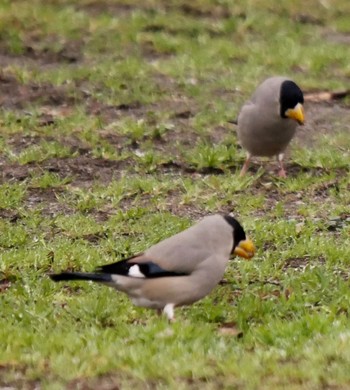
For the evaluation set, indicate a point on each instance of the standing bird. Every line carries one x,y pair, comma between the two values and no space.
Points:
268,121
177,271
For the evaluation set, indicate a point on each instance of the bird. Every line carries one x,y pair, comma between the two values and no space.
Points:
268,121
177,271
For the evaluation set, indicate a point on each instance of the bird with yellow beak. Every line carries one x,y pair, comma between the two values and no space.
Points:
268,121
177,271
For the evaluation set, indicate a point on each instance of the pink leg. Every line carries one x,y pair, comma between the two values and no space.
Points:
281,172
169,311
245,165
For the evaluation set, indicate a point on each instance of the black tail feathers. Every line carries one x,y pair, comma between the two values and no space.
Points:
102,278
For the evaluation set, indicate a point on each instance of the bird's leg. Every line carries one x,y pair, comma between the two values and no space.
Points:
281,172
245,165
159,312
169,311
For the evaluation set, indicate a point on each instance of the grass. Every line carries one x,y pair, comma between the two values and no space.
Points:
114,136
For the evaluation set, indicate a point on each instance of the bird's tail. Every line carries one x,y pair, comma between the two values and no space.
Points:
102,278
233,121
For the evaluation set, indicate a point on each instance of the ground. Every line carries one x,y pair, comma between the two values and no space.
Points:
115,134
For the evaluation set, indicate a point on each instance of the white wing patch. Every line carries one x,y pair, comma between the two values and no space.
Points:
135,272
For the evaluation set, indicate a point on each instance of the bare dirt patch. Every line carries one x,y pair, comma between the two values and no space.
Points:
338,37
84,170
111,113
13,172
37,51
323,118
196,9
15,95
110,7
47,200
70,51
16,378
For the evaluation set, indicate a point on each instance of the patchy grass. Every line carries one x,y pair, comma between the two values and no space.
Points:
114,135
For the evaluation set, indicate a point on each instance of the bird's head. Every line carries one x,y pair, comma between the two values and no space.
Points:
291,102
242,246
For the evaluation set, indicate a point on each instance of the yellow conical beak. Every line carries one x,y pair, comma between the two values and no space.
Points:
296,113
245,249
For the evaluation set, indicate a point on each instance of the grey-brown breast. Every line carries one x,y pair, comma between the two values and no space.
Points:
261,129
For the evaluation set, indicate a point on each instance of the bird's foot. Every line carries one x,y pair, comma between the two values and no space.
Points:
282,173
245,166
169,311
243,172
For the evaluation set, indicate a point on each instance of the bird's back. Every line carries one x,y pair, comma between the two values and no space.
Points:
187,249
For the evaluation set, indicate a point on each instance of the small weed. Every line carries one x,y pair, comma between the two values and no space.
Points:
41,152
49,180
209,156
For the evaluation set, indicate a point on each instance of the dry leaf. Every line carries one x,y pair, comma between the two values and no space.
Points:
326,96
230,329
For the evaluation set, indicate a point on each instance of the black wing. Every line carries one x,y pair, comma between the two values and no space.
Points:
131,267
